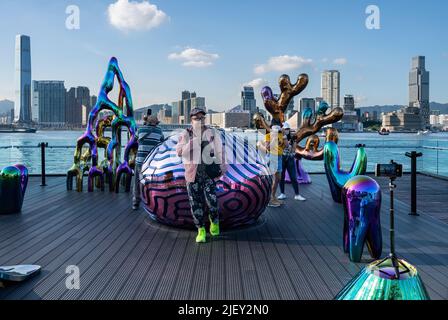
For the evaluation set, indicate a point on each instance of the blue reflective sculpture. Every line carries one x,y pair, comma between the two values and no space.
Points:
362,204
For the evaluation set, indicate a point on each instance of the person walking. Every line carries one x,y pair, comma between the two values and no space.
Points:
149,136
288,164
204,160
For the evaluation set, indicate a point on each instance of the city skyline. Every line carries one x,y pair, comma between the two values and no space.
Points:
166,57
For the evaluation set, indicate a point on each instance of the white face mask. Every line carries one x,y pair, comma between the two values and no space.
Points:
197,124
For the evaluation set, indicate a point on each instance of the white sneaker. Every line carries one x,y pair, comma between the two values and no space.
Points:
299,197
282,196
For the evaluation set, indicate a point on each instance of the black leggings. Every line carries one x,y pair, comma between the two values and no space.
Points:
289,164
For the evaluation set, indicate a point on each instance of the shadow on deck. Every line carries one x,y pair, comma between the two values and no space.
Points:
295,252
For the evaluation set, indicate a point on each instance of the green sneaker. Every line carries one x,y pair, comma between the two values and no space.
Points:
214,228
201,237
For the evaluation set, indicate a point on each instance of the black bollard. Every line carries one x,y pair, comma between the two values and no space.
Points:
42,146
413,155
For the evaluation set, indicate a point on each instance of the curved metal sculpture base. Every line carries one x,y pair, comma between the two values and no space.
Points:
378,281
243,192
13,183
362,205
335,175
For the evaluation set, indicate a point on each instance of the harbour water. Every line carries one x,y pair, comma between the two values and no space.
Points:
23,148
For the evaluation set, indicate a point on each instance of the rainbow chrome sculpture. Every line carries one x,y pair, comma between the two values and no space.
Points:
111,169
243,192
13,183
332,161
362,205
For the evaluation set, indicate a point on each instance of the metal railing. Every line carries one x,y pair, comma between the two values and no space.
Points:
45,159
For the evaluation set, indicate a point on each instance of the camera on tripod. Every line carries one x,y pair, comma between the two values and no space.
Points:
390,170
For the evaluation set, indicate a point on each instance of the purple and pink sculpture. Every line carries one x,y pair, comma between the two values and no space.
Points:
362,205
13,183
243,192
302,176
111,169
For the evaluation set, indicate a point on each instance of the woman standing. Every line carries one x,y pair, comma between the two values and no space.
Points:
288,164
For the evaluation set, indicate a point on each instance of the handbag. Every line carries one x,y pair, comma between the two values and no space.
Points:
212,170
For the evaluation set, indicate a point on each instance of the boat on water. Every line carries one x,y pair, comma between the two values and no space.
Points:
250,130
383,132
18,130
423,132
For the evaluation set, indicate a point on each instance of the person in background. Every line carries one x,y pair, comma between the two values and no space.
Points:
192,147
273,147
288,164
149,136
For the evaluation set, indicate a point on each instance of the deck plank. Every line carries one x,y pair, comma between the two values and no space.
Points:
295,252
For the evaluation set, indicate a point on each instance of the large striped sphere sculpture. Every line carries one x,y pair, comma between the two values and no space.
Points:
243,192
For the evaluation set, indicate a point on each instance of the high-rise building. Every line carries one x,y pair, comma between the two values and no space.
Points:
78,105
49,97
180,113
419,88
248,101
349,103
307,103
331,87
22,80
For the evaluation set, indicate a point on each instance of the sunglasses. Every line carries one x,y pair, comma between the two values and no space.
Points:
198,117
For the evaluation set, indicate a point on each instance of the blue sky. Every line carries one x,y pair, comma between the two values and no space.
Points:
230,43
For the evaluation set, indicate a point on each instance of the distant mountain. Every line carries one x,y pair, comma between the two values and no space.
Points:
442,107
6,106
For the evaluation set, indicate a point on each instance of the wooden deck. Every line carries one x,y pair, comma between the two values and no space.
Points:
295,252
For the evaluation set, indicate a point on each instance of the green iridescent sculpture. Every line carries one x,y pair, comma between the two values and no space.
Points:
378,281
13,183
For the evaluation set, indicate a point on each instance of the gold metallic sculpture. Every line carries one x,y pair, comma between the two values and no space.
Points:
311,122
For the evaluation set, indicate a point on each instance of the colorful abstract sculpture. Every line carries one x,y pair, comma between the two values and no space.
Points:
379,281
243,192
13,182
335,175
362,205
111,169
302,176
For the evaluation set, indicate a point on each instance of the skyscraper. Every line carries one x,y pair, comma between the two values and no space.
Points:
22,80
248,101
180,113
331,87
78,105
419,88
49,97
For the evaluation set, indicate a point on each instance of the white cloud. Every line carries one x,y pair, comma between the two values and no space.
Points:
257,83
360,99
340,61
282,63
194,58
128,15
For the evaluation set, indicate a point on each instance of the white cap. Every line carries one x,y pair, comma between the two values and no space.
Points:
286,125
